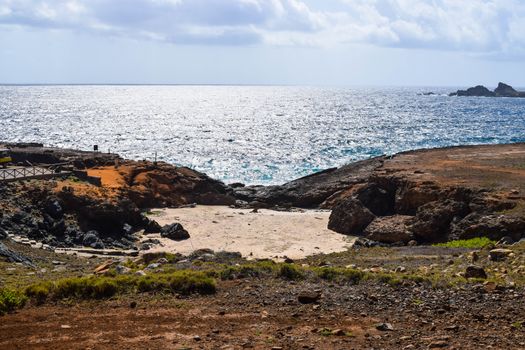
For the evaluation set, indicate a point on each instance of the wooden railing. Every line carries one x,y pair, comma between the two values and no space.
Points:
20,173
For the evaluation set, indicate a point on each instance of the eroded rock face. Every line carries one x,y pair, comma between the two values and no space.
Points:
350,217
162,185
101,215
494,226
380,201
310,191
411,196
390,229
433,219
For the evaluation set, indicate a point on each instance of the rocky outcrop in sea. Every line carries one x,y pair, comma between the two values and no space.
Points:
503,90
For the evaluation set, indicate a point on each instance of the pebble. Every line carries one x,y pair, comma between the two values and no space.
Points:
473,271
500,254
384,327
308,297
400,269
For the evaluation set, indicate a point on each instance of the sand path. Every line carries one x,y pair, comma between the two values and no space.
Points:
265,234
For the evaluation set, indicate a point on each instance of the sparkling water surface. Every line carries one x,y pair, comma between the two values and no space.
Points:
254,134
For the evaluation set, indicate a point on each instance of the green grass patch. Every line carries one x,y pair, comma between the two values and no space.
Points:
252,269
340,274
10,300
103,287
472,243
290,272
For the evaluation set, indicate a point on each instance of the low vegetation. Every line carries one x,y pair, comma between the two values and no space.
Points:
199,277
473,243
11,300
101,287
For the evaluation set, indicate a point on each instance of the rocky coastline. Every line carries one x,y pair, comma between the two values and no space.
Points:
416,197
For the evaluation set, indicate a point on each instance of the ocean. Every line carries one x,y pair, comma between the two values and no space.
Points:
254,134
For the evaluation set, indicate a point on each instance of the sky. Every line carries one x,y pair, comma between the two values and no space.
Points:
297,42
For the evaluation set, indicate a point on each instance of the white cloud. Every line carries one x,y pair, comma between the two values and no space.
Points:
488,27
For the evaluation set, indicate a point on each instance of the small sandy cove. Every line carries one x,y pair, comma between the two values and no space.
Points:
264,234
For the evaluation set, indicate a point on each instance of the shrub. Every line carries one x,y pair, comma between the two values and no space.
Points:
340,274
104,288
101,287
187,282
10,300
290,272
38,292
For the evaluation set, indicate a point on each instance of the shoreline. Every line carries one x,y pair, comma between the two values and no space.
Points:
393,200
422,196
364,295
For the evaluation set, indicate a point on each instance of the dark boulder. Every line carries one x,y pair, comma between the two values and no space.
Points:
127,230
390,229
151,226
13,256
20,217
308,296
475,272
350,217
53,208
73,234
91,239
367,243
175,232
57,228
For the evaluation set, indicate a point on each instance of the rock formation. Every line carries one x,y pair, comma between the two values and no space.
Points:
427,195
503,90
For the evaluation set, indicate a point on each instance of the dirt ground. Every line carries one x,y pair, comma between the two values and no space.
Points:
254,314
264,312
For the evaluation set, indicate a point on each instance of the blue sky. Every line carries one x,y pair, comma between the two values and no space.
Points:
314,42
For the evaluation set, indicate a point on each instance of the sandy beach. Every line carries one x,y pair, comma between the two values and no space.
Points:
264,234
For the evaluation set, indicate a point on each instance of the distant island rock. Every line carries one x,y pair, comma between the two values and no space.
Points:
503,90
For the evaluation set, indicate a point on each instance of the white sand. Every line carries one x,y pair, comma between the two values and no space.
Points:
266,234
